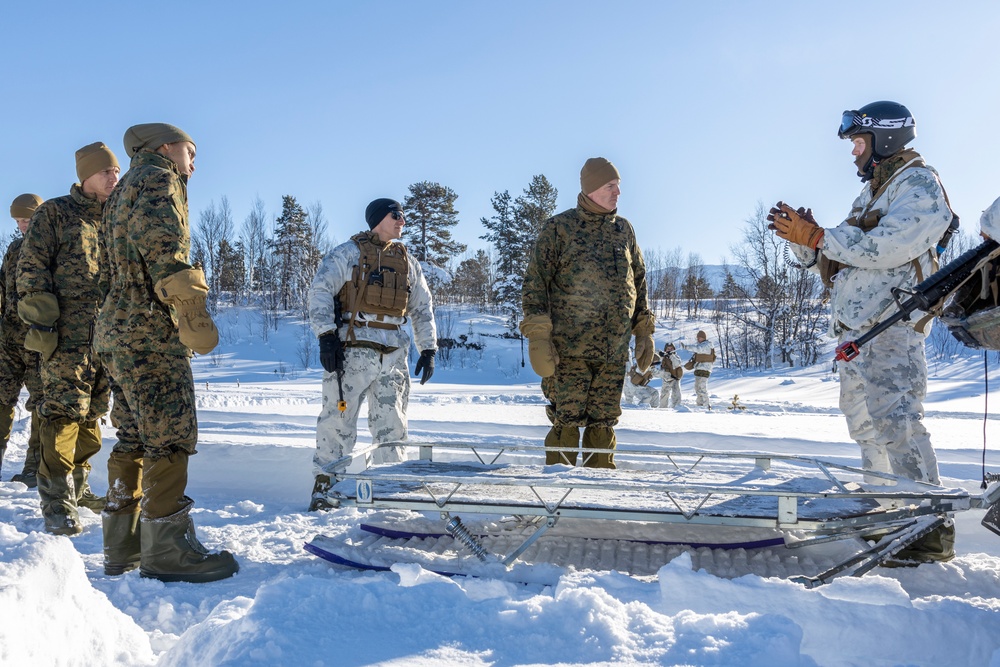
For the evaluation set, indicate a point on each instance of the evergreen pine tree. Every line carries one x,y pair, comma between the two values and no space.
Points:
430,215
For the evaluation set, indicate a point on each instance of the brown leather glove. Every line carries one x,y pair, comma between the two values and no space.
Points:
643,327
541,352
797,227
40,310
186,291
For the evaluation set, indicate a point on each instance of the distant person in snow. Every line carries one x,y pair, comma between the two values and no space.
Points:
636,388
153,317
584,297
891,239
58,290
701,364
18,365
670,370
364,293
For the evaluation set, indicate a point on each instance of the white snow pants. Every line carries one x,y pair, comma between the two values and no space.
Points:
382,379
701,391
670,393
881,394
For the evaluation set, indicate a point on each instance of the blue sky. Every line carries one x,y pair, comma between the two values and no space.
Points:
705,107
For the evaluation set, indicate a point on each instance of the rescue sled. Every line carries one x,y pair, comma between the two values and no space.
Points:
498,510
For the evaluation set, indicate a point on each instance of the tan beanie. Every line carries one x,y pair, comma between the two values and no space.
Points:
701,334
596,172
94,158
152,136
24,205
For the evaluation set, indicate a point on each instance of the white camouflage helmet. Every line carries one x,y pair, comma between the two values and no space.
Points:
989,224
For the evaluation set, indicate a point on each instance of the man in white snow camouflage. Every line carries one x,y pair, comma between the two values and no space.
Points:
701,364
362,296
670,370
889,240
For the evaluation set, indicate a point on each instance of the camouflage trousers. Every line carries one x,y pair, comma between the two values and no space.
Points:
670,393
154,409
584,393
74,383
381,379
701,391
19,368
632,393
881,394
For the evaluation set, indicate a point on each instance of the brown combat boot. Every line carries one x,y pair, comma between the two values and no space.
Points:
56,487
88,443
599,437
562,436
320,501
29,473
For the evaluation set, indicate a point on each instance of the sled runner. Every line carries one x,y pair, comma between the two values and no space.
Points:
497,507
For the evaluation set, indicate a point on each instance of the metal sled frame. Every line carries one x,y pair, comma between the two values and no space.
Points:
662,486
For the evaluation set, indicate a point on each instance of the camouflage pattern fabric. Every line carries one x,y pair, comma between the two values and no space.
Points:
154,407
881,394
701,371
18,366
641,394
882,391
670,390
586,393
60,256
336,269
12,327
913,217
383,380
587,273
145,238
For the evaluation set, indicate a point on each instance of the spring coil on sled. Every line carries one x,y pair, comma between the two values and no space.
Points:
458,530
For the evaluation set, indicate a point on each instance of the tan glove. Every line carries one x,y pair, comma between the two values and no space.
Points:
40,310
186,291
542,354
643,330
797,227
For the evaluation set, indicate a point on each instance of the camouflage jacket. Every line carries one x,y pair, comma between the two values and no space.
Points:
12,327
144,237
59,255
913,217
336,269
586,272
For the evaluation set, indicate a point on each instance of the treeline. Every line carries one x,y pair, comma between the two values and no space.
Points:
767,312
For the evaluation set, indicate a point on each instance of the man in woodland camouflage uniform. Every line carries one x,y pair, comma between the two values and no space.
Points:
153,316
58,277
888,241
363,293
18,366
584,297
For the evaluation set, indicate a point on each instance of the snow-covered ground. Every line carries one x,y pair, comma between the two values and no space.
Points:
251,480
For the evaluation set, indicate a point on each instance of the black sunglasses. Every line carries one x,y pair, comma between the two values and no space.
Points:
396,215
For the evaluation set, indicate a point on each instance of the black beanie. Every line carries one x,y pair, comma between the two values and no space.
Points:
380,208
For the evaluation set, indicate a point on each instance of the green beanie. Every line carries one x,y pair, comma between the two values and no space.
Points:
24,205
597,172
94,158
152,136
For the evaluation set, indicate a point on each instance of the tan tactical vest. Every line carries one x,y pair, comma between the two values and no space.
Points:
380,283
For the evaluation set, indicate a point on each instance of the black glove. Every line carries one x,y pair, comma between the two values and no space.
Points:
425,364
331,352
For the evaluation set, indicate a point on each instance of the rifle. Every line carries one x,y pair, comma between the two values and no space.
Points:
338,320
926,295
